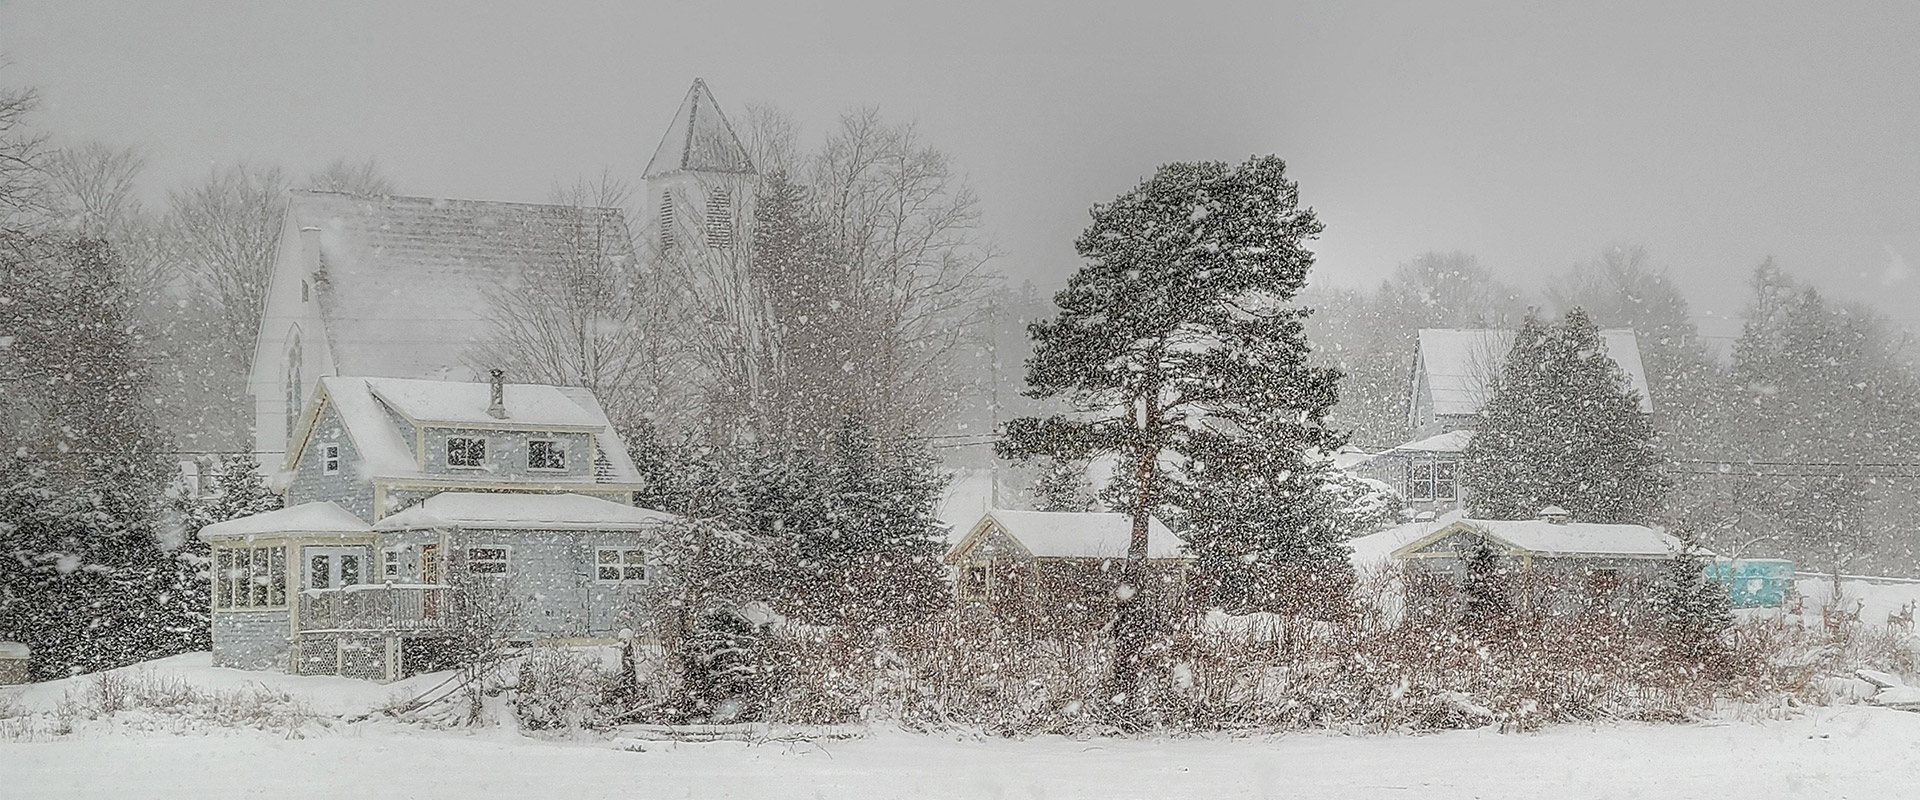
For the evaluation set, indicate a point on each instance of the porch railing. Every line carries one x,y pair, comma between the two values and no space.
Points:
374,607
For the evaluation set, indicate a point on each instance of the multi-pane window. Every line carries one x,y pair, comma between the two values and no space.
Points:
250,577
546,454
334,567
390,564
330,458
974,581
667,221
620,565
466,451
491,560
1431,480
720,219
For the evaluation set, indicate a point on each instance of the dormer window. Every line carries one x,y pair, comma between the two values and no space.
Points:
466,451
330,458
546,455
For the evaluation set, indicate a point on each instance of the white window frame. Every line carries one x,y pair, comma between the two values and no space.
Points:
505,561
256,586
559,446
482,451
626,559
330,458
336,565
393,567
968,572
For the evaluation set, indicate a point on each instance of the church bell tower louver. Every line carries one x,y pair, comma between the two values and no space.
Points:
698,189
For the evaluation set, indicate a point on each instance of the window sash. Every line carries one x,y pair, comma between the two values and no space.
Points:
249,577
621,565
546,454
488,560
1420,480
1444,485
330,459
466,451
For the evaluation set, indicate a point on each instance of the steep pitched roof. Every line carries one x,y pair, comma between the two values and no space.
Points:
461,403
1459,364
407,284
1056,534
699,140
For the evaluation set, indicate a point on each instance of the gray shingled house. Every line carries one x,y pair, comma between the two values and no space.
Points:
400,492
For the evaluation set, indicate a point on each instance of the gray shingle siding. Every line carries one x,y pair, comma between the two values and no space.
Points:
551,575
351,488
507,454
250,639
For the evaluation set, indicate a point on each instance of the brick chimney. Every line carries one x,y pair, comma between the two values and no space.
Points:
498,407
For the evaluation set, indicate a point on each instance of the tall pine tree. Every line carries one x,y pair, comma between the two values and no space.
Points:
1177,349
1563,428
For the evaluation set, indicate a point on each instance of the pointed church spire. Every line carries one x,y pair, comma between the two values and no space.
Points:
699,140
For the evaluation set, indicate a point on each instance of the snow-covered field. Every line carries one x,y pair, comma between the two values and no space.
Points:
1849,751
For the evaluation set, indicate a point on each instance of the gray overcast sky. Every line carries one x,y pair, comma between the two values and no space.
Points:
1715,133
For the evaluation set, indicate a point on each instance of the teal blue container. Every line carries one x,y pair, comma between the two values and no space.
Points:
1755,582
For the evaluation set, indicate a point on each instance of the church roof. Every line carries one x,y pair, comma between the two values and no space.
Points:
1460,365
699,140
406,284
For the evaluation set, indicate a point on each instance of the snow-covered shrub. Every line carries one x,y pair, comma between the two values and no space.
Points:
563,688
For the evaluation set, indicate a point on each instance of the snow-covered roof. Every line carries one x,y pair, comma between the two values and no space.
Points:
363,403
1570,538
699,139
1449,442
458,403
1057,534
1376,549
522,511
306,518
406,285
1460,365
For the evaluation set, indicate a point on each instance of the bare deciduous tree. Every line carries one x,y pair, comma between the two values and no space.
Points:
21,151
352,177
226,228
591,320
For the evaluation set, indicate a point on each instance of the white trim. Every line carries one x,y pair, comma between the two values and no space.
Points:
482,439
559,446
620,565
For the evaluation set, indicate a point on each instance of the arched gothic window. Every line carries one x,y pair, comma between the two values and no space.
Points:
296,383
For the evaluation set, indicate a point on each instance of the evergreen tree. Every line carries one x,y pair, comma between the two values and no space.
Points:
1695,608
79,484
1063,486
1175,345
1487,603
869,555
1563,428
231,490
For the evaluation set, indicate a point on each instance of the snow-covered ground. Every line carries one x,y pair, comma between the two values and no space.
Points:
1850,751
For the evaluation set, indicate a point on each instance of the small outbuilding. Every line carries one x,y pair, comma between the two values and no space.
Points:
14,658
1063,567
